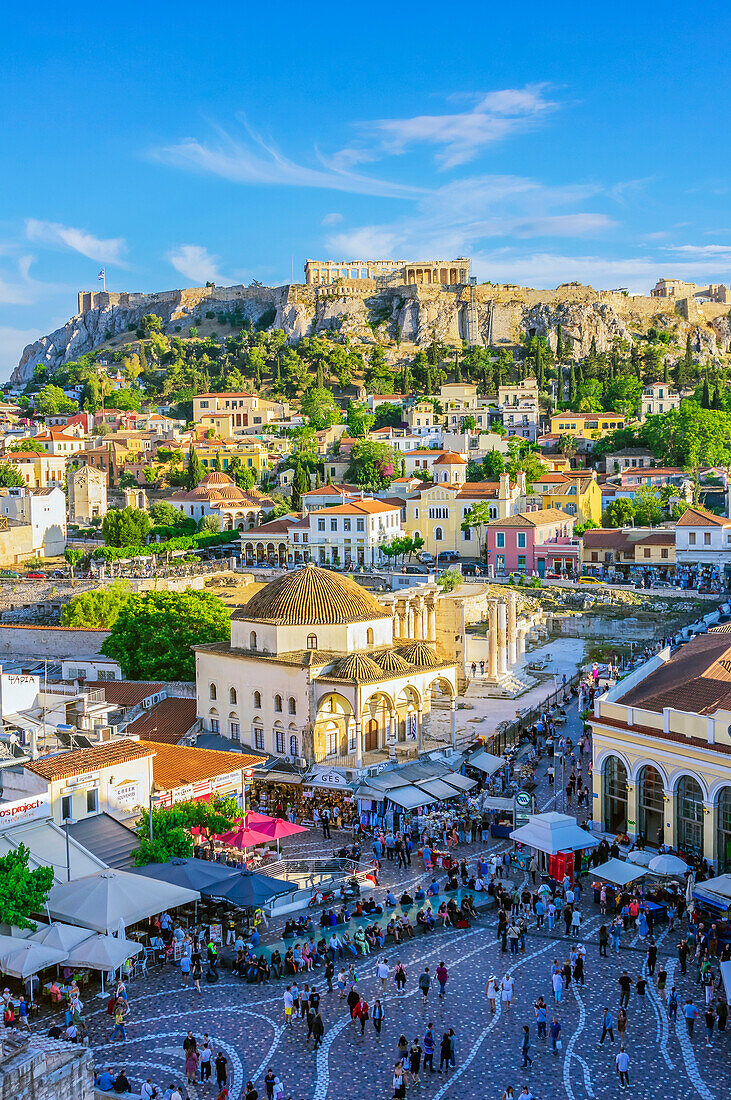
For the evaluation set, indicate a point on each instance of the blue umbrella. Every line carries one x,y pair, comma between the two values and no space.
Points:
195,874
248,889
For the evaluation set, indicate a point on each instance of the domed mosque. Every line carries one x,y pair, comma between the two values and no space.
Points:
312,673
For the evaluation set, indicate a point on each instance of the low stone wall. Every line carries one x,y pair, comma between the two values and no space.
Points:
53,642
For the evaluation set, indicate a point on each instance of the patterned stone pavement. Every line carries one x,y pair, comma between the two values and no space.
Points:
247,1022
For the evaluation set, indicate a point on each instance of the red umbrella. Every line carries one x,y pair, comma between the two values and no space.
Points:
243,838
275,828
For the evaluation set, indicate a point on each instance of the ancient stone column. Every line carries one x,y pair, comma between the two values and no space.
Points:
358,745
512,630
417,608
492,641
502,639
420,729
521,642
403,620
431,612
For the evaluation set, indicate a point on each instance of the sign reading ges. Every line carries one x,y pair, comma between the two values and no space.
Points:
24,810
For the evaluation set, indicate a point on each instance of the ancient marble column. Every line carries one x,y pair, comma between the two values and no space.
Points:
420,730
512,630
521,642
431,612
417,608
492,641
502,639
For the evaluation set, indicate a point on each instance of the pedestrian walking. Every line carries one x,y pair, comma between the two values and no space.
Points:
507,991
607,1025
377,1016
710,1017
525,1048
444,1052
622,1021
424,984
555,1033
491,991
690,1012
622,1062
442,974
415,1062
625,986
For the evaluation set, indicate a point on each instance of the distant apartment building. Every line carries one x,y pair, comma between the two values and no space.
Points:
586,425
539,542
41,510
87,494
243,410
658,398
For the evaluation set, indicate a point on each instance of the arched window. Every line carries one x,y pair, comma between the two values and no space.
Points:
438,534
292,706
651,805
257,700
232,697
293,746
252,640
369,636
689,820
615,795
312,641
278,703
212,691
279,739
724,830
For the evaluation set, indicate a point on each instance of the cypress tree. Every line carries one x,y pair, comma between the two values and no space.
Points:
579,373
217,462
559,343
705,396
457,367
665,370
320,375
194,473
717,402
572,386
300,485
688,357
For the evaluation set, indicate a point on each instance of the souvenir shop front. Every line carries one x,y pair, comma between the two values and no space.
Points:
303,796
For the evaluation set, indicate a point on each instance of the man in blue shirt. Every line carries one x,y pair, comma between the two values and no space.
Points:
433,888
105,1080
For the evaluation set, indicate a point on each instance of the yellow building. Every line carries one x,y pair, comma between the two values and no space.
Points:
254,456
313,671
580,496
436,512
586,425
247,410
55,442
39,469
662,751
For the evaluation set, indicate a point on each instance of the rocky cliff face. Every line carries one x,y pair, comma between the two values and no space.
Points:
396,316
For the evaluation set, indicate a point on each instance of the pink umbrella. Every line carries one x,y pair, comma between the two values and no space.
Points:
276,828
243,838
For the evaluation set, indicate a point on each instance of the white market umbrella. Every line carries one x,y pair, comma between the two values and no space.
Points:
29,957
667,865
100,901
62,936
104,953
642,859
689,892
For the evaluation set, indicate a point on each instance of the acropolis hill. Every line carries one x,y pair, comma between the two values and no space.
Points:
372,303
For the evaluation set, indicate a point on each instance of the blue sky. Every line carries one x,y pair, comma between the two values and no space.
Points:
180,144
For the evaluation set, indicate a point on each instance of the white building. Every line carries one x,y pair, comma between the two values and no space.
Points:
353,532
44,510
657,398
703,541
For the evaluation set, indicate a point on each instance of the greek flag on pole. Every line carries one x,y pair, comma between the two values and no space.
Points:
102,274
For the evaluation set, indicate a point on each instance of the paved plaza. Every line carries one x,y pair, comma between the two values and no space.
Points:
247,1022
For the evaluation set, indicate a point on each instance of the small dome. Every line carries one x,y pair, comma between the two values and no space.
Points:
389,661
217,477
419,654
312,597
228,492
356,667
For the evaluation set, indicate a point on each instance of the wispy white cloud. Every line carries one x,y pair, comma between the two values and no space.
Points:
332,219
18,288
78,240
197,265
457,137
721,250
251,160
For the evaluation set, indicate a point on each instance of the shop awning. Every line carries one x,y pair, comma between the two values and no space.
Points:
369,792
387,781
104,901
456,779
552,832
725,968
439,788
486,762
618,872
47,844
410,798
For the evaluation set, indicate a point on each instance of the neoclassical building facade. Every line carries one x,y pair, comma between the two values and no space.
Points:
662,751
314,672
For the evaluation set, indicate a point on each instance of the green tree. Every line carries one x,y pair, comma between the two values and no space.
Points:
360,419
618,513
321,408
154,632
217,464
300,486
568,445
572,386
559,344
388,415
52,401
95,610
450,579
493,465
477,518
22,891
126,527
73,556
648,507
622,395
210,525
378,376
165,514
152,323
705,395
194,472
171,836
372,465
10,476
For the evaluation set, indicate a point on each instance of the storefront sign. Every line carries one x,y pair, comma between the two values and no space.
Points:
229,780
24,810
127,793
82,780
326,777
522,798
182,794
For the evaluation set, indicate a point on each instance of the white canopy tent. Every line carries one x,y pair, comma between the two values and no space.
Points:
485,762
62,936
28,957
725,968
409,798
552,832
618,872
667,864
103,900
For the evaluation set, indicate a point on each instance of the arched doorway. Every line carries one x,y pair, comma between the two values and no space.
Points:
651,805
371,735
689,816
723,830
615,795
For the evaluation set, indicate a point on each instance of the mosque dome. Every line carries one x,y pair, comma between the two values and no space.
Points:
419,654
312,597
356,667
389,661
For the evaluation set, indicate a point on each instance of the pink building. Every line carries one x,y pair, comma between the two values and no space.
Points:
539,542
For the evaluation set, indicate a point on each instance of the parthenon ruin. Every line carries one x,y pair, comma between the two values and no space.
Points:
412,272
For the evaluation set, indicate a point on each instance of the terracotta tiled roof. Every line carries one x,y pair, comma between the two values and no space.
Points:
606,539
699,517
357,666
167,721
354,507
124,693
540,518
450,458
312,596
89,760
692,680
176,765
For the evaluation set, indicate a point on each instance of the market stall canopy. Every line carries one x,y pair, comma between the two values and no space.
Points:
248,889
438,788
639,857
243,837
714,892
28,957
369,792
410,798
456,779
618,872
100,901
62,936
725,968
276,828
103,952
553,832
191,873
486,762
667,865
387,781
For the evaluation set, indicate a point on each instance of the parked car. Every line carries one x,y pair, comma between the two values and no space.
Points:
427,559
9,575
449,555
411,569
36,577
590,580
